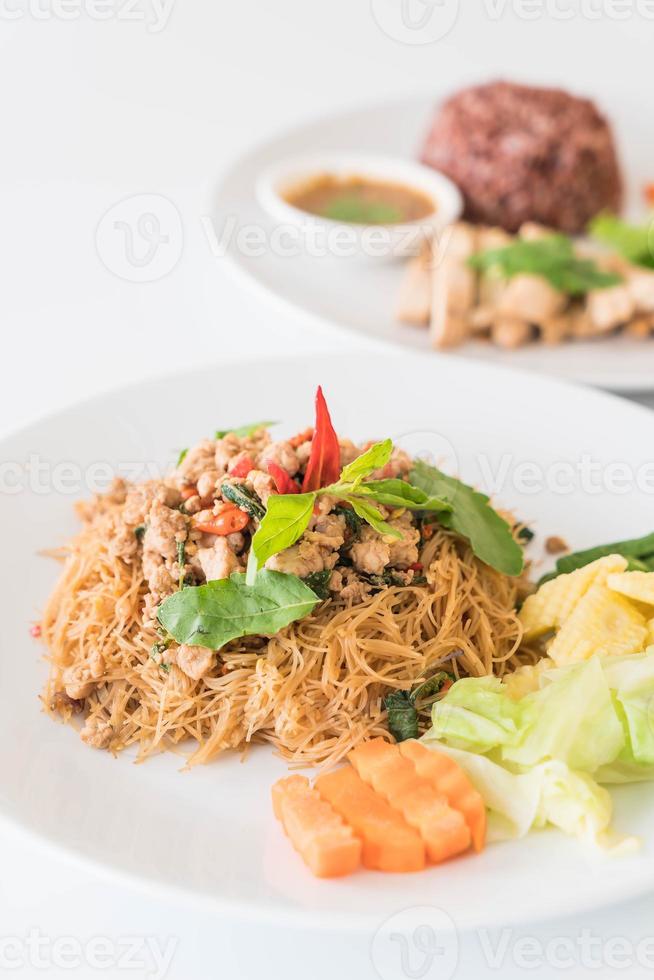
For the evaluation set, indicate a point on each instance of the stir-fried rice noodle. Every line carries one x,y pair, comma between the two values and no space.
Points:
314,690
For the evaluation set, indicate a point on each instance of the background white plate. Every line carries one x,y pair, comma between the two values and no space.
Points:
210,832
358,296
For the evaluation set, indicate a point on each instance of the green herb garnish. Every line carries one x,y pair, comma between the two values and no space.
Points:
401,705
244,498
140,532
243,431
359,212
211,615
318,582
181,457
472,516
553,258
634,242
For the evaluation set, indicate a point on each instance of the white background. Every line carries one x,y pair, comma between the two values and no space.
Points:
95,111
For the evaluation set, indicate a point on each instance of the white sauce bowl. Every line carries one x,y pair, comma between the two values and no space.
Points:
372,242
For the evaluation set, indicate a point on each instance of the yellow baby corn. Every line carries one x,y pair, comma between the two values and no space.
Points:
603,623
635,585
551,605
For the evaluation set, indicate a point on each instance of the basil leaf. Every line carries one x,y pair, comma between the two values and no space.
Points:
473,518
553,258
398,493
213,614
402,715
638,551
371,515
244,498
432,686
286,520
243,430
318,582
373,459
635,242
181,457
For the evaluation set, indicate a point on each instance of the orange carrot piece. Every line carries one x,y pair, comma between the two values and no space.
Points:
327,845
448,778
443,829
389,843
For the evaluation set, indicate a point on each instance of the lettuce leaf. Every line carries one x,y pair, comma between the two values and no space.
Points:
595,717
550,794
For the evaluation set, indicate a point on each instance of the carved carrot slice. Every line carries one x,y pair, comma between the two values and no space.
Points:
389,843
327,846
448,778
443,829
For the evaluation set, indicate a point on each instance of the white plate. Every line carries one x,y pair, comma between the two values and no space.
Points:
211,832
341,292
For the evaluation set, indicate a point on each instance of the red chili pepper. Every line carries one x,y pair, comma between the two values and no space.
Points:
446,686
417,566
188,492
649,194
283,482
241,467
35,630
228,520
324,465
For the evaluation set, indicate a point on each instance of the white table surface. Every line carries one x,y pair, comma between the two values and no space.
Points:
96,111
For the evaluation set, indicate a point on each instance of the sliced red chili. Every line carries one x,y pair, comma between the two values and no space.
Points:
417,566
283,481
228,520
324,464
648,192
35,630
241,467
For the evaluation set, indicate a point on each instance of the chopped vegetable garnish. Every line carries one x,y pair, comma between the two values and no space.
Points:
325,843
389,843
443,829
228,520
283,482
552,257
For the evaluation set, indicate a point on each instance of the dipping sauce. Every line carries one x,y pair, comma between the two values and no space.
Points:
360,200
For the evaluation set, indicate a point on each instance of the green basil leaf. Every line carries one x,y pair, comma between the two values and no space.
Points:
398,493
181,457
432,686
286,520
373,459
371,515
402,715
247,500
635,242
244,430
472,517
552,257
213,614
318,582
